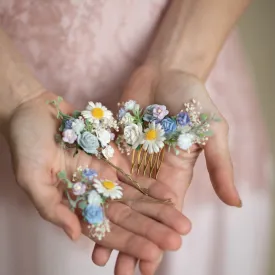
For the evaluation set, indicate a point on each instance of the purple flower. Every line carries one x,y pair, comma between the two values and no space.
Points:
79,188
69,136
183,118
160,111
93,214
89,174
155,112
68,124
121,113
169,125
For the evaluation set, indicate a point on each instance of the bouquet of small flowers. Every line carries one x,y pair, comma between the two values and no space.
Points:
90,194
148,130
89,130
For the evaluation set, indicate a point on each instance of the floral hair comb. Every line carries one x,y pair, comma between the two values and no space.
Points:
147,132
90,195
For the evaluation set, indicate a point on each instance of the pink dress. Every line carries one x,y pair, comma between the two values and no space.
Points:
86,50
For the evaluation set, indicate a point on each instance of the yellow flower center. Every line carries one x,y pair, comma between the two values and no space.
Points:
151,135
97,113
108,184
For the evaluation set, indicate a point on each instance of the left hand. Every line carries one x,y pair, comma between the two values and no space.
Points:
173,89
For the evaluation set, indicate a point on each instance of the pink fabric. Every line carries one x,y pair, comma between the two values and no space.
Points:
86,50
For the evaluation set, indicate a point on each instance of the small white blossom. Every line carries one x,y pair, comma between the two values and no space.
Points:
133,135
130,105
94,198
185,141
78,126
127,119
103,136
108,152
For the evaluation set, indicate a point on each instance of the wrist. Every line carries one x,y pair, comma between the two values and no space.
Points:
17,95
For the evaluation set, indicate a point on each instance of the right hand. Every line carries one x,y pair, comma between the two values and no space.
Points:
141,230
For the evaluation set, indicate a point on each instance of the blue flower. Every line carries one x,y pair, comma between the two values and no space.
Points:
88,142
68,124
89,174
169,125
93,214
183,118
121,113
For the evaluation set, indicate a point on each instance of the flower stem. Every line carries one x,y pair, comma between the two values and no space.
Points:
136,185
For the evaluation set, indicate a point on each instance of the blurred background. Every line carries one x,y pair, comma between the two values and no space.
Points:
257,28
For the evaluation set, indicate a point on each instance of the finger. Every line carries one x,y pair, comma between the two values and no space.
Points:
47,200
163,236
101,255
127,242
149,268
125,264
220,167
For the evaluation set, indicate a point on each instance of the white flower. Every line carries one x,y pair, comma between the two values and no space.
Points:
108,152
185,141
94,198
78,126
69,136
133,135
96,112
104,137
127,119
153,138
130,105
108,189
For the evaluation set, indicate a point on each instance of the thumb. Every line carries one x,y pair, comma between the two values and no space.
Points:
219,165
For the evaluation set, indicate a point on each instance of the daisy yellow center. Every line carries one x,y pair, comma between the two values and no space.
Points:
97,113
108,184
151,135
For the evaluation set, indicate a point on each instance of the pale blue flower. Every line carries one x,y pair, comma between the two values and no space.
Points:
88,142
89,174
93,214
169,125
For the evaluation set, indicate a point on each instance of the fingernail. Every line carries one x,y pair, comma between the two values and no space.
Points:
240,205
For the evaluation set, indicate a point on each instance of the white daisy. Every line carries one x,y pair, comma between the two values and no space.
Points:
153,138
96,112
108,189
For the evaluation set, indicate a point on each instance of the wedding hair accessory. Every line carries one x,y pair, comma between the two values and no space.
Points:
146,132
89,194
91,130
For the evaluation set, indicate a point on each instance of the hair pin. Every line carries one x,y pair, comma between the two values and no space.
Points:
146,133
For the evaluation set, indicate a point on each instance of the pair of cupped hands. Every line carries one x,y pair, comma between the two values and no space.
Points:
141,231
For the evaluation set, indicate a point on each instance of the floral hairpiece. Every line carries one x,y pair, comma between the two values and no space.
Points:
147,131
91,195
90,130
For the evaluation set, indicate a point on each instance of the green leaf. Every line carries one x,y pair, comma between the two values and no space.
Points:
59,99
62,175
139,147
76,114
203,117
69,184
82,205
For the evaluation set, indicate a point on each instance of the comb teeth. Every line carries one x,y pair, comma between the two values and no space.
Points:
147,164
